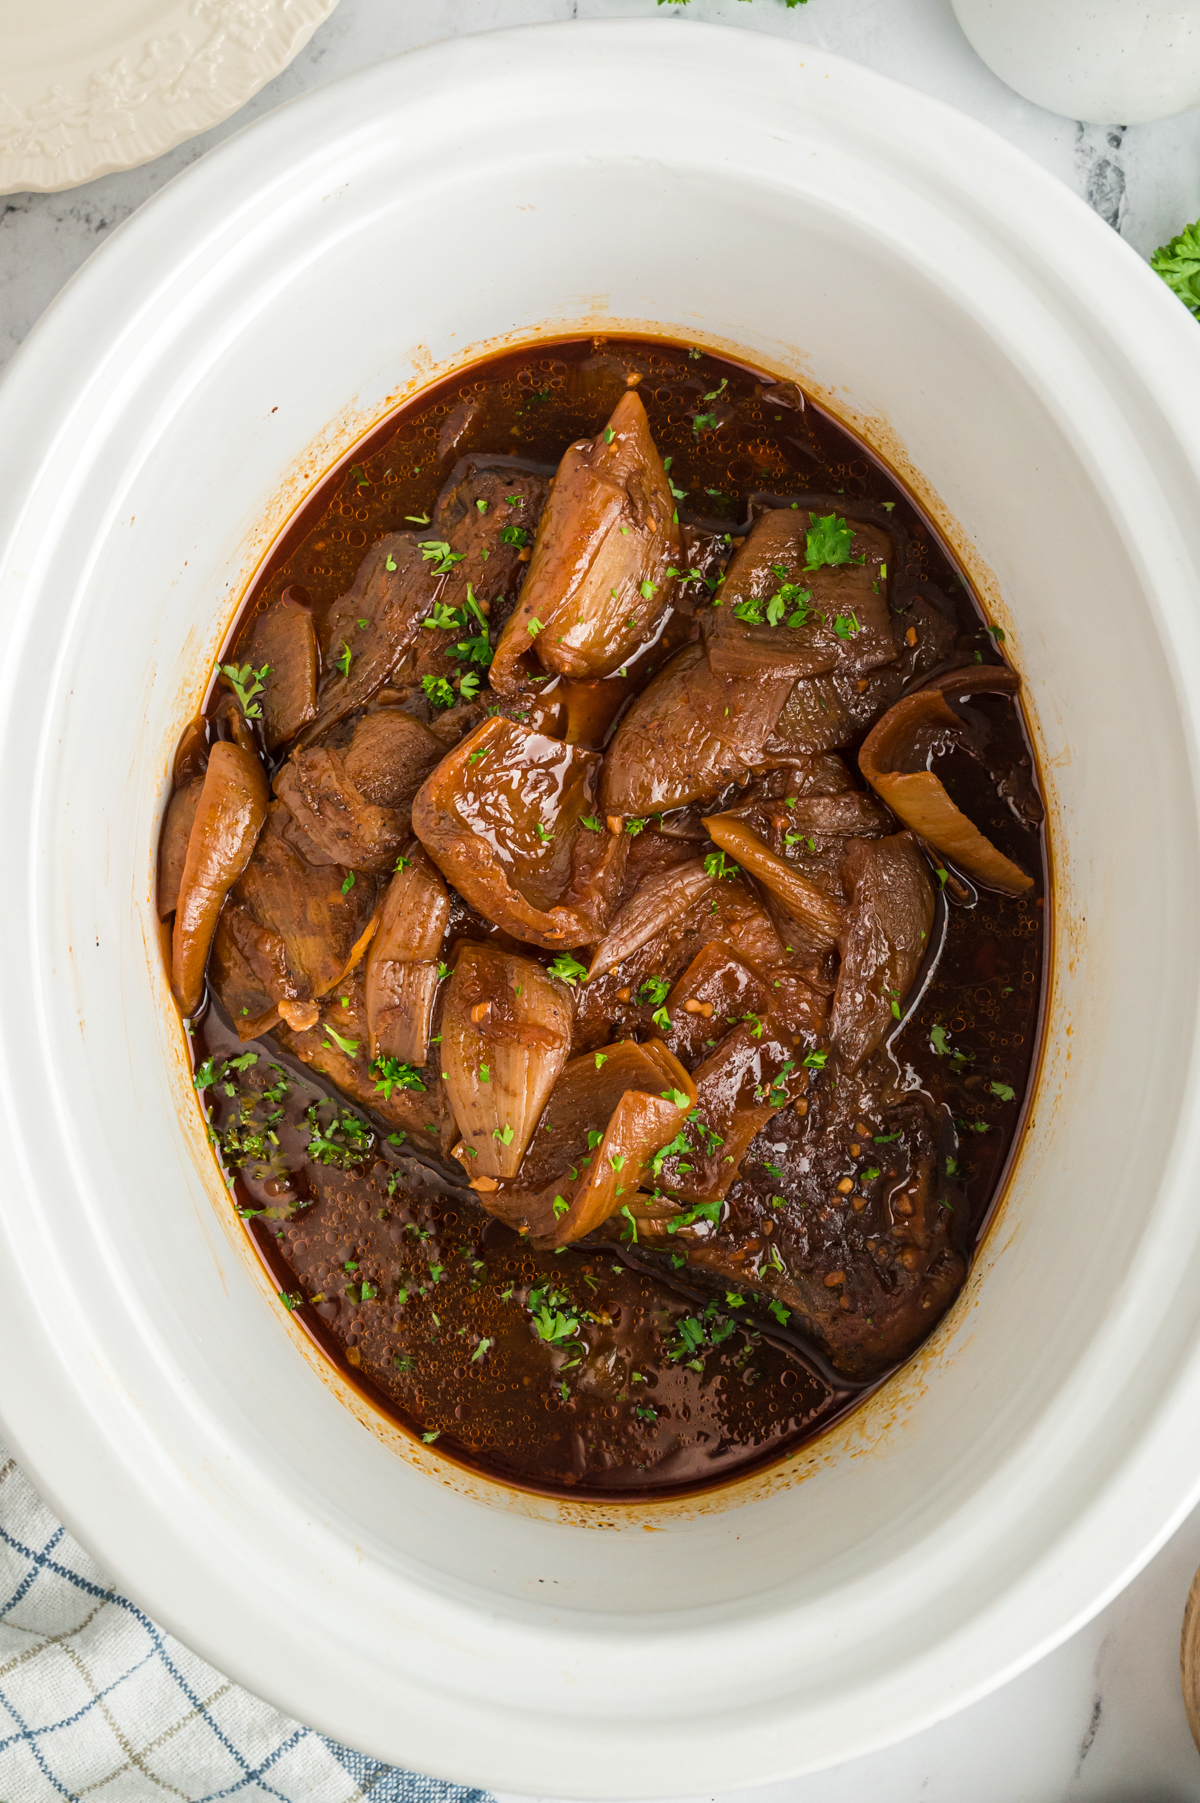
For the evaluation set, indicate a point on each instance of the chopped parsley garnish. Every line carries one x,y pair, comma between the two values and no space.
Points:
828,542
696,1334
437,553
592,822
476,645
349,1046
246,683
390,1074
568,969
789,603
348,884
553,1314
634,827
1005,1091
654,991
715,865
438,691
344,661
337,1136
694,1212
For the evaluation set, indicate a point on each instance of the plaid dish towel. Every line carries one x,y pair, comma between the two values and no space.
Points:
98,1703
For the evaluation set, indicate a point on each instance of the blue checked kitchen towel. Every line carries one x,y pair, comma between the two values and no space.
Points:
98,1703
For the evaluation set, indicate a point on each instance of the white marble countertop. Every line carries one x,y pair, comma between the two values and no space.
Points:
1101,1719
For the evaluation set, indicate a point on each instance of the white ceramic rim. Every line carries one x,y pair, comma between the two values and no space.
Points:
173,1566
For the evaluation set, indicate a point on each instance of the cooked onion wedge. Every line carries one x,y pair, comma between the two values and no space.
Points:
891,759
172,851
503,817
285,640
655,904
597,580
506,1033
689,734
608,1116
810,907
229,818
889,915
756,1070
401,972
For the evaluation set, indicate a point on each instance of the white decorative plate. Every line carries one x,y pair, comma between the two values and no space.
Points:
90,86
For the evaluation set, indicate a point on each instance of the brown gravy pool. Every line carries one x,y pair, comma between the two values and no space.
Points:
666,1386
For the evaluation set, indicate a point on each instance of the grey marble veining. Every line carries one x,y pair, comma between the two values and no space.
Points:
1100,1720
1144,180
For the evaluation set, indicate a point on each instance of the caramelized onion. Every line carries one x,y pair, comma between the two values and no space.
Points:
610,1113
172,851
597,580
656,902
907,737
229,818
831,618
716,986
756,1070
809,906
502,818
285,641
289,931
689,734
401,973
888,918
506,1033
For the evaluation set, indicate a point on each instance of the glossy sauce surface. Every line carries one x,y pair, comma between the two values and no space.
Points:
624,1367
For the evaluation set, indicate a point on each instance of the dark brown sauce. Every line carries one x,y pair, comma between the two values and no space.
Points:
424,1300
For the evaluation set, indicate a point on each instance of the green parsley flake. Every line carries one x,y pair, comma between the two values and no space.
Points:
828,542
568,969
246,683
390,1074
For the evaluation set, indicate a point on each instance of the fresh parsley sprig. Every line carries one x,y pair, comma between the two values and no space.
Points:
1178,263
246,683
